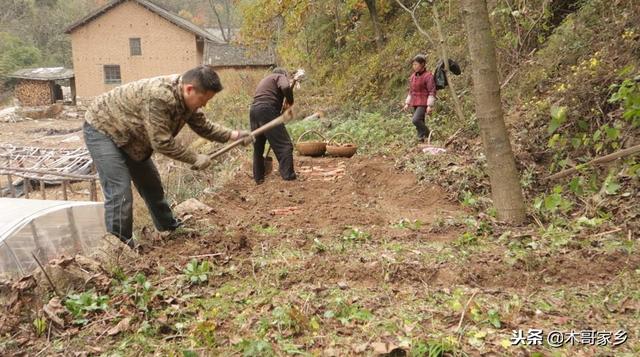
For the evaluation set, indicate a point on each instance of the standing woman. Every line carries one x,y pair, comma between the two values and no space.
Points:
422,95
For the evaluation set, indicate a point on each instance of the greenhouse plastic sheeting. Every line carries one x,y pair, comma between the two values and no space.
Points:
46,229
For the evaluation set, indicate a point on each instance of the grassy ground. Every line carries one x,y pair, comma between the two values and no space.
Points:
397,252
371,261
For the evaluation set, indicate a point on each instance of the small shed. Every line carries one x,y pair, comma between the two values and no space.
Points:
46,230
44,86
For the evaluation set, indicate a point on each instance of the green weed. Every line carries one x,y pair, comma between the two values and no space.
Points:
40,326
267,230
140,289
404,223
82,305
197,273
355,234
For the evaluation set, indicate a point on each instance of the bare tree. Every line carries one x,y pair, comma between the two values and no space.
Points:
227,9
13,12
373,12
336,14
504,177
442,47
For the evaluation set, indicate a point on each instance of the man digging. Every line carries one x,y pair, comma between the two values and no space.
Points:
124,126
273,95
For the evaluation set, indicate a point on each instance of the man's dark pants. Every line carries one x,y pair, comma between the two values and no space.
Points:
278,138
116,171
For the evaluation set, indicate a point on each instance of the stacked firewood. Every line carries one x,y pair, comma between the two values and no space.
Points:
33,93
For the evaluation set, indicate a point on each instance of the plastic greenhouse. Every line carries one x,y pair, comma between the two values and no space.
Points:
46,229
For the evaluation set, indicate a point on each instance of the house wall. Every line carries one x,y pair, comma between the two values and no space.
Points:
32,93
166,48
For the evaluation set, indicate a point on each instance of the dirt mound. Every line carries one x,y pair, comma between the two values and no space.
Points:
332,194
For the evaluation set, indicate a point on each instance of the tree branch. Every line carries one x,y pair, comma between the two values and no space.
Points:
616,155
412,12
215,11
443,50
227,5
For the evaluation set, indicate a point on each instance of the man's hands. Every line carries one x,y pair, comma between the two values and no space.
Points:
429,109
248,139
202,162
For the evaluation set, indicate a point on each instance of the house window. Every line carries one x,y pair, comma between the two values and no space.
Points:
135,47
112,74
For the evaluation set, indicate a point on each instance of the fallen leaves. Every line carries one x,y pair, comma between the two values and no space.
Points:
387,349
25,283
122,326
54,311
191,207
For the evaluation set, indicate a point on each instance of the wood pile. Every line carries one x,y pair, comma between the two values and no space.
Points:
33,93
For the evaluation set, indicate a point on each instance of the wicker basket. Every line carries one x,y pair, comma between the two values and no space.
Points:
311,148
341,150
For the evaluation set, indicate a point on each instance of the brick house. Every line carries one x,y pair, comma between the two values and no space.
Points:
127,40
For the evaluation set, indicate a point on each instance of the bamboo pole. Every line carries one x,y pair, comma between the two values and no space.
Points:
286,117
10,170
93,191
42,190
65,185
12,188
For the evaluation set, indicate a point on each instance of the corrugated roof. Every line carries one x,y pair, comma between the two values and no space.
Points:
232,55
43,74
155,8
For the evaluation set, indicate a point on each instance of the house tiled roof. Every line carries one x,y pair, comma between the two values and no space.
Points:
233,55
223,54
43,74
166,14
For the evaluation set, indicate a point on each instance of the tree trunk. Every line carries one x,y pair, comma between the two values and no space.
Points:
371,5
505,183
